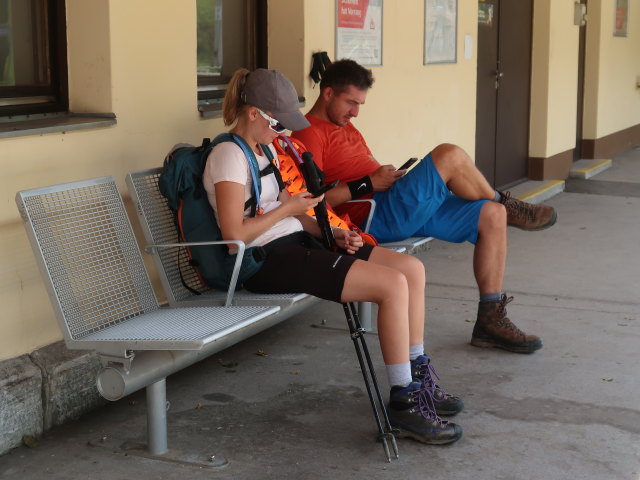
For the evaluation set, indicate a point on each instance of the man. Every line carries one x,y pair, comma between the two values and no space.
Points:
445,196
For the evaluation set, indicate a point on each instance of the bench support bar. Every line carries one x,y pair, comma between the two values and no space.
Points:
157,417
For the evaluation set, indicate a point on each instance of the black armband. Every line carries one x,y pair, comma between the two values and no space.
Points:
360,187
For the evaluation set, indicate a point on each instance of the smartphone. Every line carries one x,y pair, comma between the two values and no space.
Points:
408,163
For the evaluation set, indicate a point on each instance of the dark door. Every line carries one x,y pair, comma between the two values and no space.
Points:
577,152
503,85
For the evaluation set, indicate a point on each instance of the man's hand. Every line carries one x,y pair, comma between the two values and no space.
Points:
384,177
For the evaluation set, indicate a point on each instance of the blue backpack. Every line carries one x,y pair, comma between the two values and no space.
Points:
181,184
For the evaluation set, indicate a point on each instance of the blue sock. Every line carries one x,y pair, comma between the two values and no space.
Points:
498,197
415,351
490,297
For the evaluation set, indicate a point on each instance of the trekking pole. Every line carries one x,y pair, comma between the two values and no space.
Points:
316,188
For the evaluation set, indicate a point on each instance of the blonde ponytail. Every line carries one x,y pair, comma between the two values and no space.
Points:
233,104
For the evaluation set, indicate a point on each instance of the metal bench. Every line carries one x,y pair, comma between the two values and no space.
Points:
171,260
103,300
410,245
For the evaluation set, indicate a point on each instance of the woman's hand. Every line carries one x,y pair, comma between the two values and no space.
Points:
347,240
300,203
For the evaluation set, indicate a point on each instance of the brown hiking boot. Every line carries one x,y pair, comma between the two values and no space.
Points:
527,216
494,329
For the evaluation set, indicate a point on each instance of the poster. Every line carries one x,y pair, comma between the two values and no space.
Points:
359,31
440,31
622,14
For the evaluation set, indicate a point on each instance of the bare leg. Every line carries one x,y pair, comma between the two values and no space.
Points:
490,254
463,178
414,272
396,283
460,174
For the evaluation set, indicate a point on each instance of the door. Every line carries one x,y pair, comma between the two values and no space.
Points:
503,85
577,151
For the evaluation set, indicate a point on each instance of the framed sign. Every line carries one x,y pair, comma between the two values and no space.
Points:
440,31
622,15
359,31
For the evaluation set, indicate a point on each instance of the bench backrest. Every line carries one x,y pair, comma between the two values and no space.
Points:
88,255
158,224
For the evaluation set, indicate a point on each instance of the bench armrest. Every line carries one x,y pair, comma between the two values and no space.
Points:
372,202
152,249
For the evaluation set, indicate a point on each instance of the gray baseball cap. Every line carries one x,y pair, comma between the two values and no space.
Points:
272,92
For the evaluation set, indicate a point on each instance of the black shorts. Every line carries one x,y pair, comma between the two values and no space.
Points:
305,267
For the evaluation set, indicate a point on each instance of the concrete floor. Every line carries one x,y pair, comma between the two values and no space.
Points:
569,411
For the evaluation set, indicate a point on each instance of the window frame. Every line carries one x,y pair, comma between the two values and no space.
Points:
59,77
256,55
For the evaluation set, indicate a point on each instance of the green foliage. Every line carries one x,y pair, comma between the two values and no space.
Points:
209,49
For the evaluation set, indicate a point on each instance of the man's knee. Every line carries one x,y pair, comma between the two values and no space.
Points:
493,216
447,156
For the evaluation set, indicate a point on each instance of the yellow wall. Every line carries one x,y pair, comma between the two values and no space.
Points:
411,107
285,34
554,78
136,59
612,100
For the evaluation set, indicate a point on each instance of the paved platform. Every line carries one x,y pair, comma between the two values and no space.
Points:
290,402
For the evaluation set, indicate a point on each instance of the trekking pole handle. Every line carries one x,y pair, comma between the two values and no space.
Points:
315,187
310,173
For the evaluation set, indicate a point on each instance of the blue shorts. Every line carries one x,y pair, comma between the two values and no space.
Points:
421,205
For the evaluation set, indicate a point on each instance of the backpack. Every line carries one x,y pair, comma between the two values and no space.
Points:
181,184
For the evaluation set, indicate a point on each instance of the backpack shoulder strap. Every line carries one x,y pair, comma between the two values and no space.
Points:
256,173
254,201
272,167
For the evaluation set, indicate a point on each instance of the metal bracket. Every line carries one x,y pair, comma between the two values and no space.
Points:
196,459
358,333
123,360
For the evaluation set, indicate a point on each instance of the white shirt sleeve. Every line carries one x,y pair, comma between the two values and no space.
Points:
227,163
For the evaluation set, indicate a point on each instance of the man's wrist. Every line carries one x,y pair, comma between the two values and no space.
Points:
360,187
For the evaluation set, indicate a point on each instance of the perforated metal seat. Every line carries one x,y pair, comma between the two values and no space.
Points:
96,278
172,264
103,299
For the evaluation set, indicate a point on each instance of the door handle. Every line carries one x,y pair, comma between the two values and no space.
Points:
499,75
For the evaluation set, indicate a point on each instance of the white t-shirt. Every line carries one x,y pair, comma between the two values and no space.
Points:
227,163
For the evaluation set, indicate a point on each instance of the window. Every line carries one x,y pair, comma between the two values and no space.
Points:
231,35
33,61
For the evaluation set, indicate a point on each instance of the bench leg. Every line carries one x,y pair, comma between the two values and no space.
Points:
364,312
157,417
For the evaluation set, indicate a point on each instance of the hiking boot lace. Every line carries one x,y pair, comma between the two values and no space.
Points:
504,301
427,371
426,395
516,208
504,321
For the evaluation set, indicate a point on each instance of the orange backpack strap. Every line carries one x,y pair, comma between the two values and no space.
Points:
294,183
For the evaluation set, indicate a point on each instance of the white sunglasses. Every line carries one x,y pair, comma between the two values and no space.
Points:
274,124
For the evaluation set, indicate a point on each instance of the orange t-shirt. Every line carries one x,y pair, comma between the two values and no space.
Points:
342,154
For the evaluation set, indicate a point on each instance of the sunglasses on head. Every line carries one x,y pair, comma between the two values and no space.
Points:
274,124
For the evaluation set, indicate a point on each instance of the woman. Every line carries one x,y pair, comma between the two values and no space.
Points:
260,105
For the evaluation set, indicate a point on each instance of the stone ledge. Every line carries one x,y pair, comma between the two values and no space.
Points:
69,383
47,388
585,169
534,191
20,401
